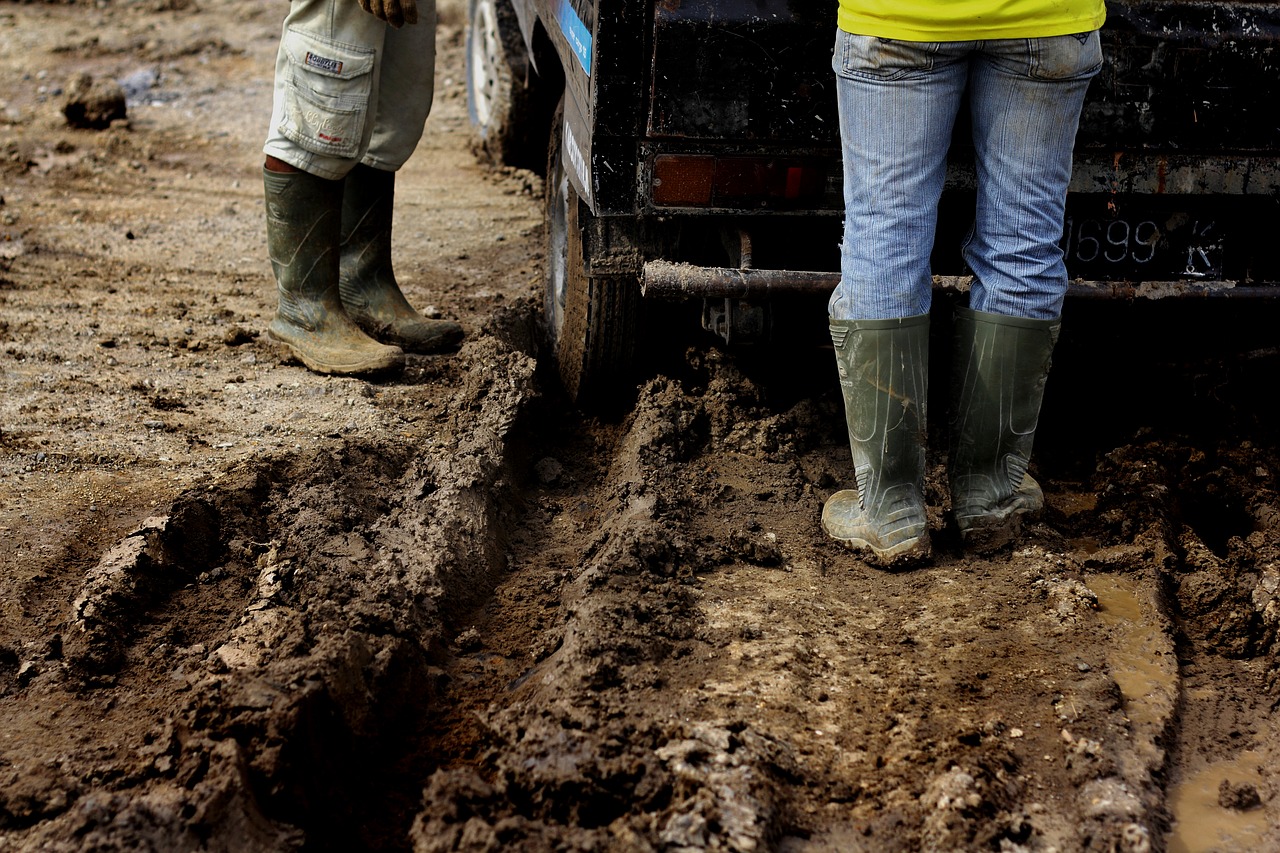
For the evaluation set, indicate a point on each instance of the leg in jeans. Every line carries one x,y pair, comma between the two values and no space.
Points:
898,103
1025,99
1026,96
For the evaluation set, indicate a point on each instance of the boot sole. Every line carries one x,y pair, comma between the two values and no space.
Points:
445,341
903,555
371,366
913,547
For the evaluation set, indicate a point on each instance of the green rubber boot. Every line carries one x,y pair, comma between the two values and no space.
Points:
999,372
884,375
369,290
302,239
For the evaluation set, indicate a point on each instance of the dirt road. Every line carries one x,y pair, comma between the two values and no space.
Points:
244,607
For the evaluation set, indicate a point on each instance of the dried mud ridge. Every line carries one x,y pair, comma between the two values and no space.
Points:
546,632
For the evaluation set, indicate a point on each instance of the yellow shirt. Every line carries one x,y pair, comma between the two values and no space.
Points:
968,20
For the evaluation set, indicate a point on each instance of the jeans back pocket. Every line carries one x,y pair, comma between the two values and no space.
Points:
1066,57
873,58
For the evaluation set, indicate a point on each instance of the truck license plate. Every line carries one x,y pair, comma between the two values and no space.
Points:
1151,246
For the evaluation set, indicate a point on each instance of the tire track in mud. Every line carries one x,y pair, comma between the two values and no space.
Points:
312,598
1199,519
726,679
717,683
577,754
550,632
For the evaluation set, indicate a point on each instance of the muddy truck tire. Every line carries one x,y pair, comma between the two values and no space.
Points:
508,120
591,320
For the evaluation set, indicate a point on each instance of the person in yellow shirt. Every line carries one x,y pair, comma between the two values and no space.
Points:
904,70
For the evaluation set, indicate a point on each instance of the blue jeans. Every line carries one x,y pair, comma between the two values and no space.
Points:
898,104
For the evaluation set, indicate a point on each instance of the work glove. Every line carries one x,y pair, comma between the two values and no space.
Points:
397,13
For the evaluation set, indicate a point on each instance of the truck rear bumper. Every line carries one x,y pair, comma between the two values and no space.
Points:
669,281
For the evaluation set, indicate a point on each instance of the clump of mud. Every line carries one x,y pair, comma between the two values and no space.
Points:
94,104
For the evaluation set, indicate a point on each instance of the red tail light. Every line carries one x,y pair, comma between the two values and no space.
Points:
702,180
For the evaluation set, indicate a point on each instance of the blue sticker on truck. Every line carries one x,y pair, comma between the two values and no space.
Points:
575,33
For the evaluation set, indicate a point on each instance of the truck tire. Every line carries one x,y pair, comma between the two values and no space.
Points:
591,321
501,102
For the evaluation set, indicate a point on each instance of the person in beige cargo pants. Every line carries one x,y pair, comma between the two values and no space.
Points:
353,87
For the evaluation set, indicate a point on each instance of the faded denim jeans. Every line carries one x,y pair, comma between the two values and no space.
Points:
898,104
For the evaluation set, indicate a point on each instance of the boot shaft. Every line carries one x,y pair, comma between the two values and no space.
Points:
999,369
303,227
370,294
883,367
368,205
884,372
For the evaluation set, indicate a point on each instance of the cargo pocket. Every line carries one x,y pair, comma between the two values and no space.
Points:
327,98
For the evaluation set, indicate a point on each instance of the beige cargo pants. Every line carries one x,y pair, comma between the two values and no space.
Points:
349,88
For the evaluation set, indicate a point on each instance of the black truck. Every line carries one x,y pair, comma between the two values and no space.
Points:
691,154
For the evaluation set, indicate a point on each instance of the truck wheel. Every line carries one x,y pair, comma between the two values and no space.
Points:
591,321
500,101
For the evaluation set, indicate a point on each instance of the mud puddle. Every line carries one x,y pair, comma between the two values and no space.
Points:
1218,808
1144,663
1211,807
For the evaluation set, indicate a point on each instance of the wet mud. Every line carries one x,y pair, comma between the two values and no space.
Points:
549,632
247,608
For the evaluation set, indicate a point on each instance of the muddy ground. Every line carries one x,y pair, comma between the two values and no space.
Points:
244,607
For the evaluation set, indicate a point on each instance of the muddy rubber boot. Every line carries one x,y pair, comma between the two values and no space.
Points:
884,375
302,239
999,372
369,290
